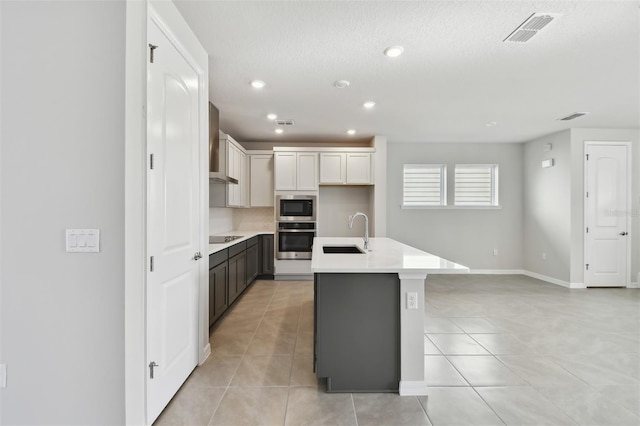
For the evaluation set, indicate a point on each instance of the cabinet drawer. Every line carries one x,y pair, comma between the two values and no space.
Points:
238,248
217,258
252,241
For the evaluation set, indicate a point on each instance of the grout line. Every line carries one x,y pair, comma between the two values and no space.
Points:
355,413
424,409
210,422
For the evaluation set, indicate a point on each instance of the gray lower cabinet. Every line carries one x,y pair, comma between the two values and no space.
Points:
357,331
266,255
252,259
233,269
217,291
237,275
218,281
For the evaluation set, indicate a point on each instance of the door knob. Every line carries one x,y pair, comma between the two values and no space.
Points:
624,233
197,256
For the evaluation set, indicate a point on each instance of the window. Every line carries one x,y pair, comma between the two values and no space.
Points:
476,185
424,185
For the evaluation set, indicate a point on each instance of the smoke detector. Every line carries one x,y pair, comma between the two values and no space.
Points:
531,27
572,116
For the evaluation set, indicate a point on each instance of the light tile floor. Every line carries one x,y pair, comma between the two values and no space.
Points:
499,350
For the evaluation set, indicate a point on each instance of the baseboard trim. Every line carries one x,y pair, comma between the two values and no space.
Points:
413,388
634,285
293,277
205,354
497,271
549,279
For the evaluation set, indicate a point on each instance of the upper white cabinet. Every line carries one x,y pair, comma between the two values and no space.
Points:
261,179
307,173
346,168
296,171
236,168
333,168
359,168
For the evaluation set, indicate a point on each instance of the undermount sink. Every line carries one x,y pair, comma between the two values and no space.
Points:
342,250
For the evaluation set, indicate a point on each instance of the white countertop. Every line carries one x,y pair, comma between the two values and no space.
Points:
214,248
384,256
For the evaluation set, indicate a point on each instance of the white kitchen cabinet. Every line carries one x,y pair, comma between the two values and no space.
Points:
261,180
359,167
346,168
307,173
333,168
236,168
296,171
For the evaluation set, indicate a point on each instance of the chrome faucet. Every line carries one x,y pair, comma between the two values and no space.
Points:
366,227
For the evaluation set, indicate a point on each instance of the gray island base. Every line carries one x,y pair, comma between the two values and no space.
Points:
369,314
357,331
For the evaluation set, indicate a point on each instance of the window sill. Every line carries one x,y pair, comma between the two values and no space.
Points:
451,207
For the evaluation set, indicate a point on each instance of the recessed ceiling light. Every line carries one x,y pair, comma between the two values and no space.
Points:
341,84
279,131
257,84
351,132
369,104
272,116
393,51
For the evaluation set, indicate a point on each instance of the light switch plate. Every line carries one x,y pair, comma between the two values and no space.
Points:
83,240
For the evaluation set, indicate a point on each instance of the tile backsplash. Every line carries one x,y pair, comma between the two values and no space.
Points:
253,219
222,220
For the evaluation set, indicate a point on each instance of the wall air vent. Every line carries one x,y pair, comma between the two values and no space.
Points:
572,116
284,122
530,27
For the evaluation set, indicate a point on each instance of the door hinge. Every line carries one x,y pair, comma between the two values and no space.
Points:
587,194
587,265
152,48
152,364
151,161
151,264
587,157
587,229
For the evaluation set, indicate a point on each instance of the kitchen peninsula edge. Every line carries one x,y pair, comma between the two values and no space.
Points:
408,267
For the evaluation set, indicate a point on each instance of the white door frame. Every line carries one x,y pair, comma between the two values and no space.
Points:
627,279
135,256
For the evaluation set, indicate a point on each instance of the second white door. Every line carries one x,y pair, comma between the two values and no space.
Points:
606,214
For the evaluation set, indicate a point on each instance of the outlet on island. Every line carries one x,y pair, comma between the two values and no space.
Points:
412,300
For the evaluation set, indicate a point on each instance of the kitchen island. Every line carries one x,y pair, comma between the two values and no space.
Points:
369,313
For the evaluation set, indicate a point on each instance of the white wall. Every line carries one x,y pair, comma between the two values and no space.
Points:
547,206
466,236
62,314
336,204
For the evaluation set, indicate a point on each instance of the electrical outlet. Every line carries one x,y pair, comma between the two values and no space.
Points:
412,300
544,256
495,252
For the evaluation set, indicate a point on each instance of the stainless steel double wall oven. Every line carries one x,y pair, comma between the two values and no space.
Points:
295,226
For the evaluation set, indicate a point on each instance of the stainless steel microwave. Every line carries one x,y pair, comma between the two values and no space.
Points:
298,208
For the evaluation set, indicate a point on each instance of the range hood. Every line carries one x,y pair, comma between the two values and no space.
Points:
217,151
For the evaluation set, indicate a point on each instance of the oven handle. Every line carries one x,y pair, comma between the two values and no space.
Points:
286,231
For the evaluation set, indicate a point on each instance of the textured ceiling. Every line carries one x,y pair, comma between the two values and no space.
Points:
455,76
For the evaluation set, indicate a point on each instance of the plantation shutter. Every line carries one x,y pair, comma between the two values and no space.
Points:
423,185
475,185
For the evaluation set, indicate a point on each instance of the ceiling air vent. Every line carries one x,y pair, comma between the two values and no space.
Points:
574,115
284,122
530,27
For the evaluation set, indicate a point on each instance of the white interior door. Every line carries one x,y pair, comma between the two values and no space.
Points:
173,225
607,224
